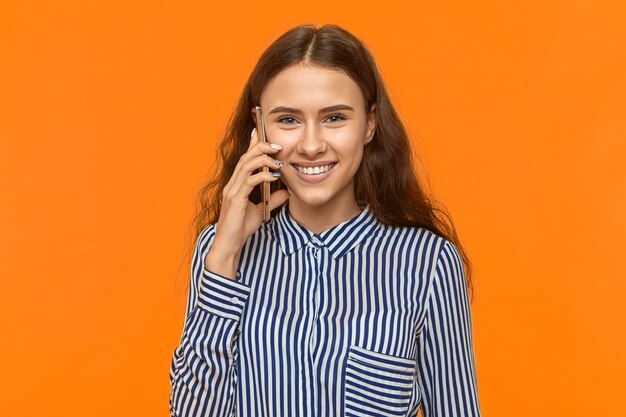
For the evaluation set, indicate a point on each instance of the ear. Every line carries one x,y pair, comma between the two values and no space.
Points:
253,111
371,124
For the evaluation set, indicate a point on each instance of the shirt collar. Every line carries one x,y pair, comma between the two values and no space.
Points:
339,239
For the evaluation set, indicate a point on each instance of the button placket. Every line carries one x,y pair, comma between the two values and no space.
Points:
314,246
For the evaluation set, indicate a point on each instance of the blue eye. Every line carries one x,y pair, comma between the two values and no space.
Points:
288,120
334,118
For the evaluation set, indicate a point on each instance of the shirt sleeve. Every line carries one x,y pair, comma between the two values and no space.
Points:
446,371
203,370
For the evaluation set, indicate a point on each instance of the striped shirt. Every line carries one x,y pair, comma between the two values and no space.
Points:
363,319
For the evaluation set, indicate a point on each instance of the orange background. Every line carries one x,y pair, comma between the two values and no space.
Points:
109,116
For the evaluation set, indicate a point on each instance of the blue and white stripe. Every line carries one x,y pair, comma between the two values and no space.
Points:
363,319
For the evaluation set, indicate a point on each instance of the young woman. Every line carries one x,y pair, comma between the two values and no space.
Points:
352,300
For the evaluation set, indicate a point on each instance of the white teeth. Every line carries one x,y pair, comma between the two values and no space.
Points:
314,170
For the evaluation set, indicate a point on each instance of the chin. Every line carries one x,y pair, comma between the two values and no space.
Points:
314,201
311,199
320,197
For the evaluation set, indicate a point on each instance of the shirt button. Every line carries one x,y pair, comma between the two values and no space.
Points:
235,300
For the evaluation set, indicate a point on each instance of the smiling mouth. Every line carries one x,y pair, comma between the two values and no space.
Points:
314,170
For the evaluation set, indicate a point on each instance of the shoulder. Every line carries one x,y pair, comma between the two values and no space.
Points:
420,238
205,237
421,248
449,262
207,230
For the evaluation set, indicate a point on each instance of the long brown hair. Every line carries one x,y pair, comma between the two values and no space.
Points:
403,201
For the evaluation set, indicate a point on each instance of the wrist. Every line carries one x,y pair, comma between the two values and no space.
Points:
223,263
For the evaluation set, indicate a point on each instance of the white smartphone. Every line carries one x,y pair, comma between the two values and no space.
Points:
265,185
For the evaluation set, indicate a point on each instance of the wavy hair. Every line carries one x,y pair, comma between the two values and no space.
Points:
403,202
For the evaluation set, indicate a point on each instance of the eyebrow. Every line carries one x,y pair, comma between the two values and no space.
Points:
281,109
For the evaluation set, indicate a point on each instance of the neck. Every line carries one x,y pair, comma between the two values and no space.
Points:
318,219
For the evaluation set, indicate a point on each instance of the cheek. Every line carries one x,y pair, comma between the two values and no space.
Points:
348,143
351,135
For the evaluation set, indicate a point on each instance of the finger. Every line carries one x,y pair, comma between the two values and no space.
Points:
252,181
260,148
260,161
246,169
245,157
263,147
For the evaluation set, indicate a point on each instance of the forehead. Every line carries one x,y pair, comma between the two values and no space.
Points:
307,86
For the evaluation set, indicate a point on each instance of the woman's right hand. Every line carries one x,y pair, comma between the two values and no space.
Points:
239,217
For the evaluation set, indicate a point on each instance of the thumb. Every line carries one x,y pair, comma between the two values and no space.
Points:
278,198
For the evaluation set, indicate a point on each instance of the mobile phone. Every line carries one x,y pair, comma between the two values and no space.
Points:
265,185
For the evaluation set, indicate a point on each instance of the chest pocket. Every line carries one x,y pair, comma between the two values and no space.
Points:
377,384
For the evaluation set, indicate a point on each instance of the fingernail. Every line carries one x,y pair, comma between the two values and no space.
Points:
275,174
275,146
252,133
278,162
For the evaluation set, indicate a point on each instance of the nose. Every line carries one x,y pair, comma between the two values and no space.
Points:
311,142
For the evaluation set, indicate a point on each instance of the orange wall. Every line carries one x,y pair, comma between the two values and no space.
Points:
109,115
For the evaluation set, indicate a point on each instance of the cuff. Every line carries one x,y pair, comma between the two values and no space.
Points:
222,296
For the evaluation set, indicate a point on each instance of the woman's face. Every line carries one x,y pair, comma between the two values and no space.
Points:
318,116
